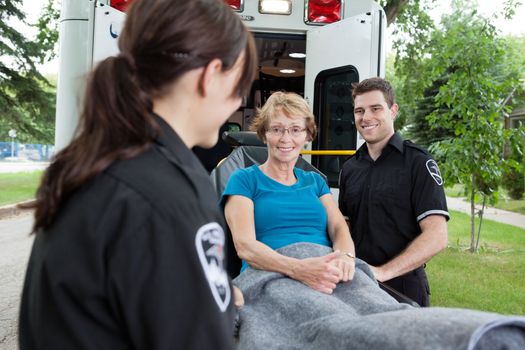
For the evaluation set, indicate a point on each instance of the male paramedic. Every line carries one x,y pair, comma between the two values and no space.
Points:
392,194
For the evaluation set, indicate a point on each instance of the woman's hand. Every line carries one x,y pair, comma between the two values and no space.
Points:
339,233
319,273
347,266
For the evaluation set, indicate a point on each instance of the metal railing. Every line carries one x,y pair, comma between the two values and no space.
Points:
328,152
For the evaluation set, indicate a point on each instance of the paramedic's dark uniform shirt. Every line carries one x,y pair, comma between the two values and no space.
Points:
131,261
386,199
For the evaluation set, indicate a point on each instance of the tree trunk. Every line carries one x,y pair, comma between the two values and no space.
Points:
481,220
472,215
393,8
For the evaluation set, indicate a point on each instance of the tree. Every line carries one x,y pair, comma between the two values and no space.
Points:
432,77
27,99
412,28
479,78
514,178
419,129
397,83
403,8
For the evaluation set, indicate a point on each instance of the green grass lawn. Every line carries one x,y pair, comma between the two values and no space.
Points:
491,280
504,202
517,206
17,187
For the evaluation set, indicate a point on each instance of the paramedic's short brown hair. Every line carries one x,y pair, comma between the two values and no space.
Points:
373,84
292,105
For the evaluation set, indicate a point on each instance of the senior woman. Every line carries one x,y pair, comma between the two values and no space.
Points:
275,204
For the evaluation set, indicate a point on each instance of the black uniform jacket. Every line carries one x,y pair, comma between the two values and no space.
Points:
385,199
134,260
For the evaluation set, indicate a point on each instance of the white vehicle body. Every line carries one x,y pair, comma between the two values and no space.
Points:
337,55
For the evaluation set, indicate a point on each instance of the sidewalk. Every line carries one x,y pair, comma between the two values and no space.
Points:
503,216
18,166
11,210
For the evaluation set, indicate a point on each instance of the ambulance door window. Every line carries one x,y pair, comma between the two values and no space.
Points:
334,112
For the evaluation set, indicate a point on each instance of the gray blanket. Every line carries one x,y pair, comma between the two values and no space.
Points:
281,313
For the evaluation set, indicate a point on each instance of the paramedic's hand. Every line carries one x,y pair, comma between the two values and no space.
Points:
318,273
378,273
347,267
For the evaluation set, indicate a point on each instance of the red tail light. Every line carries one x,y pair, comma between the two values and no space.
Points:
120,5
323,11
237,5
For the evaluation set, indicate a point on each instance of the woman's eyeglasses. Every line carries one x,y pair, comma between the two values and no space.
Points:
294,131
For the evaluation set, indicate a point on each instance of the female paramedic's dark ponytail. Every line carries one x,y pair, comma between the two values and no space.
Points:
116,123
161,40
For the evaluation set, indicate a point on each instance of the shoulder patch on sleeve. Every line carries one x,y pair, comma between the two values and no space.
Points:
433,170
209,242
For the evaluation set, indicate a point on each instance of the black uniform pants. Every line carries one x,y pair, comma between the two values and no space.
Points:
414,285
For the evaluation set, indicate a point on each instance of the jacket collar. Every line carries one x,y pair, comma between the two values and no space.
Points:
175,149
395,141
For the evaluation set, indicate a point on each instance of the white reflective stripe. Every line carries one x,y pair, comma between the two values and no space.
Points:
432,212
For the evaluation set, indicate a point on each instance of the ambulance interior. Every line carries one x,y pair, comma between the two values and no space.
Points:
281,68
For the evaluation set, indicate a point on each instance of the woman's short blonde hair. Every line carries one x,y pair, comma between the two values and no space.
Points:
289,103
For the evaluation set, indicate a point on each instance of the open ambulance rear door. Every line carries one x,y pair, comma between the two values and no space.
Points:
338,55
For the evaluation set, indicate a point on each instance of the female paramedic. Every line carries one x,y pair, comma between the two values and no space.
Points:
129,240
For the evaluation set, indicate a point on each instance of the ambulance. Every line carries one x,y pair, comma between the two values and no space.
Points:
316,48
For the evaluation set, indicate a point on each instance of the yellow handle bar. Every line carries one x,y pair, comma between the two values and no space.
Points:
328,152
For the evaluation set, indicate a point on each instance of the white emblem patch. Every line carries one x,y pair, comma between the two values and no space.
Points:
210,247
433,170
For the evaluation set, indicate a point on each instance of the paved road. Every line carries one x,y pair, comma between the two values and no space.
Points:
15,246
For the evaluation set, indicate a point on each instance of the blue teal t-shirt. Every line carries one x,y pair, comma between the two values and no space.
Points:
283,214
